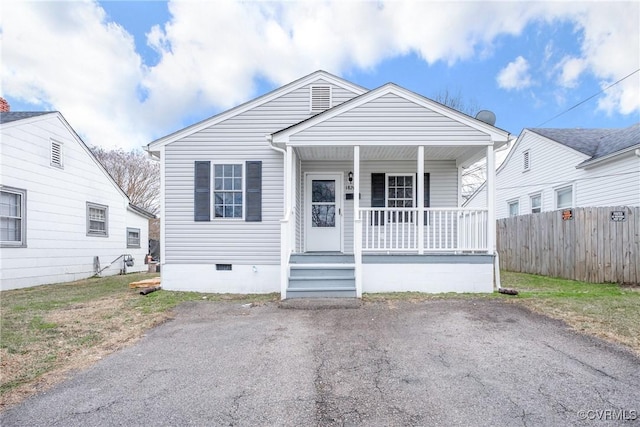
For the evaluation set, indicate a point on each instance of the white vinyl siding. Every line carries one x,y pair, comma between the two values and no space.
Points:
238,139
58,248
618,183
555,166
389,119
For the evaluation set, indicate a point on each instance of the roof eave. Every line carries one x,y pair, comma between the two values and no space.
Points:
604,159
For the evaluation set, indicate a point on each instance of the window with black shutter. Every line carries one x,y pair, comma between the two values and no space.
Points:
202,191
254,191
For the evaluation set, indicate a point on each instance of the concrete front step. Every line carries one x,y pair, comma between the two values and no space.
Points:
337,292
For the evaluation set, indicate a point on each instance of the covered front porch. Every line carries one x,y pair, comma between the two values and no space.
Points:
373,198
400,233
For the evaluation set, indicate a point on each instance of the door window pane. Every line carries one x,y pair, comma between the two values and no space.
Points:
323,191
323,216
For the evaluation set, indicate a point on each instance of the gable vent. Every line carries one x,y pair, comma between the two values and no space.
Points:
525,161
56,154
320,98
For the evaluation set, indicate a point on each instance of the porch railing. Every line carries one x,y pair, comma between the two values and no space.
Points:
443,230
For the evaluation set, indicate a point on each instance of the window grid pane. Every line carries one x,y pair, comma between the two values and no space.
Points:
227,194
97,217
11,217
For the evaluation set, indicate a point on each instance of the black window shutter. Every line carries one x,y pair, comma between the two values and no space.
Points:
427,197
377,195
253,191
202,191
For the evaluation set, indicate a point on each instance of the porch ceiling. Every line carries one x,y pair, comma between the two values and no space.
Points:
329,153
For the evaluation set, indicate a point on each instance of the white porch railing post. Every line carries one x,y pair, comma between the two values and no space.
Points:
357,221
420,199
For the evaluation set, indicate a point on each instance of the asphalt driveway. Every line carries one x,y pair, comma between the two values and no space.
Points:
444,362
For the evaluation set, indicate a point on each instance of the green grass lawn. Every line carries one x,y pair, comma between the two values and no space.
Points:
609,311
46,331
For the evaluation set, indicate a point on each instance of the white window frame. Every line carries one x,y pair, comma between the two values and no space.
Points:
22,243
134,243
408,218
526,161
531,197
241,191
558,190
311,104
60,145
97,233
513,202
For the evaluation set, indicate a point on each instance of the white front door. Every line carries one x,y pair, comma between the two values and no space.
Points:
323,212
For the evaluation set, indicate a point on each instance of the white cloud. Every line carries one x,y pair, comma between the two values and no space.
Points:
570,71
67,55
515,75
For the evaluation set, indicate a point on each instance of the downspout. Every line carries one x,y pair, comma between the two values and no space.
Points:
284,254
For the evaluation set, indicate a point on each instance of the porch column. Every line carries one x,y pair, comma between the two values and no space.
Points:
491,200
420,199
357,221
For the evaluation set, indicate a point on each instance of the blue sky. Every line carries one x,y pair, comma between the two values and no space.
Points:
125,73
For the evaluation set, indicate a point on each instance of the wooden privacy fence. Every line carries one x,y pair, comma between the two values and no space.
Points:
589,244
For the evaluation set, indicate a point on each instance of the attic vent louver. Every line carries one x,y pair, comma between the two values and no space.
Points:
56,154
525,161
320,98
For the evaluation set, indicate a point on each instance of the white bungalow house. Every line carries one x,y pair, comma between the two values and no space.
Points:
62,216
549,169
324,188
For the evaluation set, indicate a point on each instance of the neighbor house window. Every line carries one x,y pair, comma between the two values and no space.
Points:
56,154
536,203
526,161
133,237
514,208
12,217
564,197
227,191
97,220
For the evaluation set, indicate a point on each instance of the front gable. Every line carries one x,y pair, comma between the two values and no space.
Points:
391,114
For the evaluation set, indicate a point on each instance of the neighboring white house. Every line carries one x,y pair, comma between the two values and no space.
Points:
324,188
549,169
62,216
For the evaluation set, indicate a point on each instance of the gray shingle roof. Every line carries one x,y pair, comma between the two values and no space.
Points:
12,116
595,143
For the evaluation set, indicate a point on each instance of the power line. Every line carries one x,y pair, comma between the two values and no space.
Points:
589,98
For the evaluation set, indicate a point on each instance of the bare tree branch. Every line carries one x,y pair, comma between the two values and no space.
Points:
137,175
